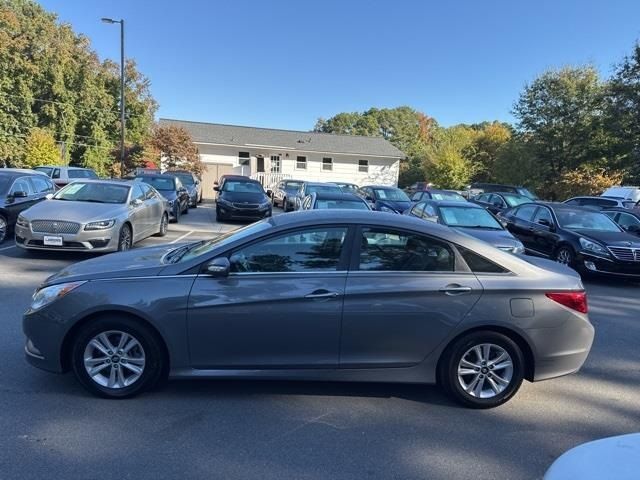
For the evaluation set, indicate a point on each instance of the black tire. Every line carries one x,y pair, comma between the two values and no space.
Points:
195,204
451,382
176,215
186,209
4,228
285,205
164,225
219,216
125,238
155,364
565,255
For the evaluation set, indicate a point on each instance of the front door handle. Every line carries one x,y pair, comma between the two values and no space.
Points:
322,294
455,289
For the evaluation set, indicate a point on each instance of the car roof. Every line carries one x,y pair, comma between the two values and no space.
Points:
231,175
151,175
241,178
20,172
337,196
111,181
381,187
511,194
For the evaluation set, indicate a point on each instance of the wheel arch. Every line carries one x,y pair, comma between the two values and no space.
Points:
520,341
66,347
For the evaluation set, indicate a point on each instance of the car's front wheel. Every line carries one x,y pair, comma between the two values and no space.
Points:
164,225
4,227
482,369
116,357
565,255
125,239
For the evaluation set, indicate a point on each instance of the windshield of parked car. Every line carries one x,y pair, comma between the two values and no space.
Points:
348,204
185,178
468,217
393,194
161,184
527,193
348,187
513,200
74,173
94,192
585,220
238,186
449,196
292,186
323,188
46,170
194,250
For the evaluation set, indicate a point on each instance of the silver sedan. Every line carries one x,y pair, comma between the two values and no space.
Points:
94,215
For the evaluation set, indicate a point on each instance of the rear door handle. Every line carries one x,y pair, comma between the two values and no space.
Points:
455,289
322,294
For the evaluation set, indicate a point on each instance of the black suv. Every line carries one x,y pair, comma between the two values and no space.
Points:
19,189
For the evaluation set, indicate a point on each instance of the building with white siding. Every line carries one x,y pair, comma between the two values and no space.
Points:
270,155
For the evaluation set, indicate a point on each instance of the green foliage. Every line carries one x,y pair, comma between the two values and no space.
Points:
448,161
40,149
50,78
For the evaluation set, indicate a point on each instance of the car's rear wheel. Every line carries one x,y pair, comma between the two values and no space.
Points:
482,369
164,225
565,255
176,215
117,357
125,239
186,208
4,227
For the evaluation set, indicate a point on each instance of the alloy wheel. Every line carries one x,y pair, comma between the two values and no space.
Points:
485,370
125,238
3,228
564,256
164,224
114,359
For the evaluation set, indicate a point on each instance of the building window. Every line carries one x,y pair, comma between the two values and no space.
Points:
244,158
301,163
327,164
275,163
363,166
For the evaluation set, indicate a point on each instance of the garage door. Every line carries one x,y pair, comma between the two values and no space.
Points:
212,173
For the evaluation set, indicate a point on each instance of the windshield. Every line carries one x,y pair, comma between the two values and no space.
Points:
94,192
46,170
348,187
513,200
527,193
585,220
74,173
468,217
185,178
238,186
348,204
194,250
450,196
160,183
323,188
292,185
393,194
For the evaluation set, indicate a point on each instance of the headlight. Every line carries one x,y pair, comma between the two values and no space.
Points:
22,222
101,225
593,247
47,295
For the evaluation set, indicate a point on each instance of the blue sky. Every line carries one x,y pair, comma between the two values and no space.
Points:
283,64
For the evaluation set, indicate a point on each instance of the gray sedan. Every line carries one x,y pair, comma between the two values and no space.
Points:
316,295
94,215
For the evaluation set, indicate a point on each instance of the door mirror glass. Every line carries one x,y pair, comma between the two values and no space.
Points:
218,267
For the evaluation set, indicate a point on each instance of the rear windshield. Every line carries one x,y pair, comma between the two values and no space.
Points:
292,185
348,204
323,188
514,200
393,194
185,178
82,174
450,196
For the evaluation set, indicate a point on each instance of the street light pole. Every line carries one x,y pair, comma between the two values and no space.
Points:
122,104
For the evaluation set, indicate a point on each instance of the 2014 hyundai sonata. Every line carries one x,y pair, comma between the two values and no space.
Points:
359,296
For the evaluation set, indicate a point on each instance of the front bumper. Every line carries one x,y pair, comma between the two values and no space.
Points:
608,266
83,241
235,212
44,338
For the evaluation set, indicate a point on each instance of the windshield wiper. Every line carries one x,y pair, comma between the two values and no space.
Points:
480,226
174,256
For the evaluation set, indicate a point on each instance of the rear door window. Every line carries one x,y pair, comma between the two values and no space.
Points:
525,212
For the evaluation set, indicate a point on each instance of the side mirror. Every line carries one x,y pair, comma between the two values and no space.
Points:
218,267
49,196
632,229
216,188
136,202
19,194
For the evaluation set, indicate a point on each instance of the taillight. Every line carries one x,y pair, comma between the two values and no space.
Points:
574,300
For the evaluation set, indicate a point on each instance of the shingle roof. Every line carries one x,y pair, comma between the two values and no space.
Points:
288,139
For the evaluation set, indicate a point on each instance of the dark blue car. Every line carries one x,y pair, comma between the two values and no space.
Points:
385,199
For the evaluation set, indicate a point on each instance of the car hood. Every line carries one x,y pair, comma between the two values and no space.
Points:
133,263
243,197
497,238
611,239
71,211
395,205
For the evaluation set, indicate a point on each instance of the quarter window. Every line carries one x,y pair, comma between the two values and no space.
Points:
363,166
327,164
301,163
312,250
479,264
393,250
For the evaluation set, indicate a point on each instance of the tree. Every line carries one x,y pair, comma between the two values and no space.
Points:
40,149
447,164
489,138
177,148
584,180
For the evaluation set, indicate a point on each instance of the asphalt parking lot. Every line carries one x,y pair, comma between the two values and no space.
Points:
51,428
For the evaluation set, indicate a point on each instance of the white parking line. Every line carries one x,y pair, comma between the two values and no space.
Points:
7,248
180,238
